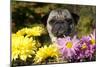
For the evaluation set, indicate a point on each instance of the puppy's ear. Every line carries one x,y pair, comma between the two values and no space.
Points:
44,19
75,17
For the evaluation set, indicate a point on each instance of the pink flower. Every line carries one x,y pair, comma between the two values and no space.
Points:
68,47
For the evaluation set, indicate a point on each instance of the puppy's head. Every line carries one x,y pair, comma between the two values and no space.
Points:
62,22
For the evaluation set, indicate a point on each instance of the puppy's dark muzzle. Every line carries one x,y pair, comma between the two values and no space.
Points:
60,29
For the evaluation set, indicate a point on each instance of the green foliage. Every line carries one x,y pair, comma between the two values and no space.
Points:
87,20
84,26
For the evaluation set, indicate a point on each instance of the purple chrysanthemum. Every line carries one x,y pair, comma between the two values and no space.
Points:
87,47
77,49
68,47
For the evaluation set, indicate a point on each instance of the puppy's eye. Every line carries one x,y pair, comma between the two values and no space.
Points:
52,21
69,21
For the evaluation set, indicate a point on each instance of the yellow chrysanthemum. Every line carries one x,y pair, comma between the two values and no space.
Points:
45,52
37,30
22,31
22,46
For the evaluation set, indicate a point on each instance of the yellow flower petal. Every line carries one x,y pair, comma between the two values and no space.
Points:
22,46
45,52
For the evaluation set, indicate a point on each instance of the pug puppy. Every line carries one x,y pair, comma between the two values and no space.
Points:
61,23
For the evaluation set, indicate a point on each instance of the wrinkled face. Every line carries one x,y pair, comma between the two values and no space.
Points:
61,22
